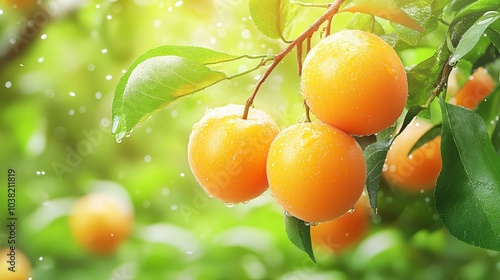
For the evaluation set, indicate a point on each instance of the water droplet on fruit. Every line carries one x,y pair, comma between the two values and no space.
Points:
351,211
229,204
288,214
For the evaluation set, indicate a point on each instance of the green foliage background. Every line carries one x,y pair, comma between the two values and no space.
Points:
55,116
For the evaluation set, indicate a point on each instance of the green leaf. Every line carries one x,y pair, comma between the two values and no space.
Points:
471,37
375,158
299,233
432,133
421,11
494,37
159,77
270,16
466,17
423,77
410,115
387,9
467,194
495,137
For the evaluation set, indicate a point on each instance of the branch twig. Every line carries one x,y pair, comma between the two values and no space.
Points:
332,10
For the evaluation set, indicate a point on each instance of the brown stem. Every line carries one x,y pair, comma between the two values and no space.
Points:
443,80
332,10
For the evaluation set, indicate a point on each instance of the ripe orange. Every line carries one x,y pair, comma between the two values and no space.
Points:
316,172
227,154
345,231
355,81
14,260
100,222
475,90
418,171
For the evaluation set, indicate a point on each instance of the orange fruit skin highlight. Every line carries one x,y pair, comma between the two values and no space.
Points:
316,172
343,232
22,265
99,222
227,154
354,81
475,90
420,170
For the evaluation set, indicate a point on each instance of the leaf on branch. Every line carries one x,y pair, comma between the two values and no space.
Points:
423,77
158,78
299,233
375,155
472,36
387,9
495,138
467,194
270,16
467,16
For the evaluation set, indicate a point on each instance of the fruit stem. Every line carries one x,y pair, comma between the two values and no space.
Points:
332,10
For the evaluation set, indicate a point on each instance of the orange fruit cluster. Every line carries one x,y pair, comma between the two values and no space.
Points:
355,84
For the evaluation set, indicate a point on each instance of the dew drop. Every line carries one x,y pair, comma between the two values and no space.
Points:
43,37
288,214
40,59
72,93
8,84
229,204
98,95
147,158
1,12
165,191
109,77
178,3
40,173
40,258
109,17
351,211
119,140
71,112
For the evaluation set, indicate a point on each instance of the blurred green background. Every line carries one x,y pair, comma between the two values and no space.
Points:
56,87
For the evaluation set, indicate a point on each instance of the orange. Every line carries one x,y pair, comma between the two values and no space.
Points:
316,172
355,81
14,265
345,231
227,154
100,222
418,171
475,90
